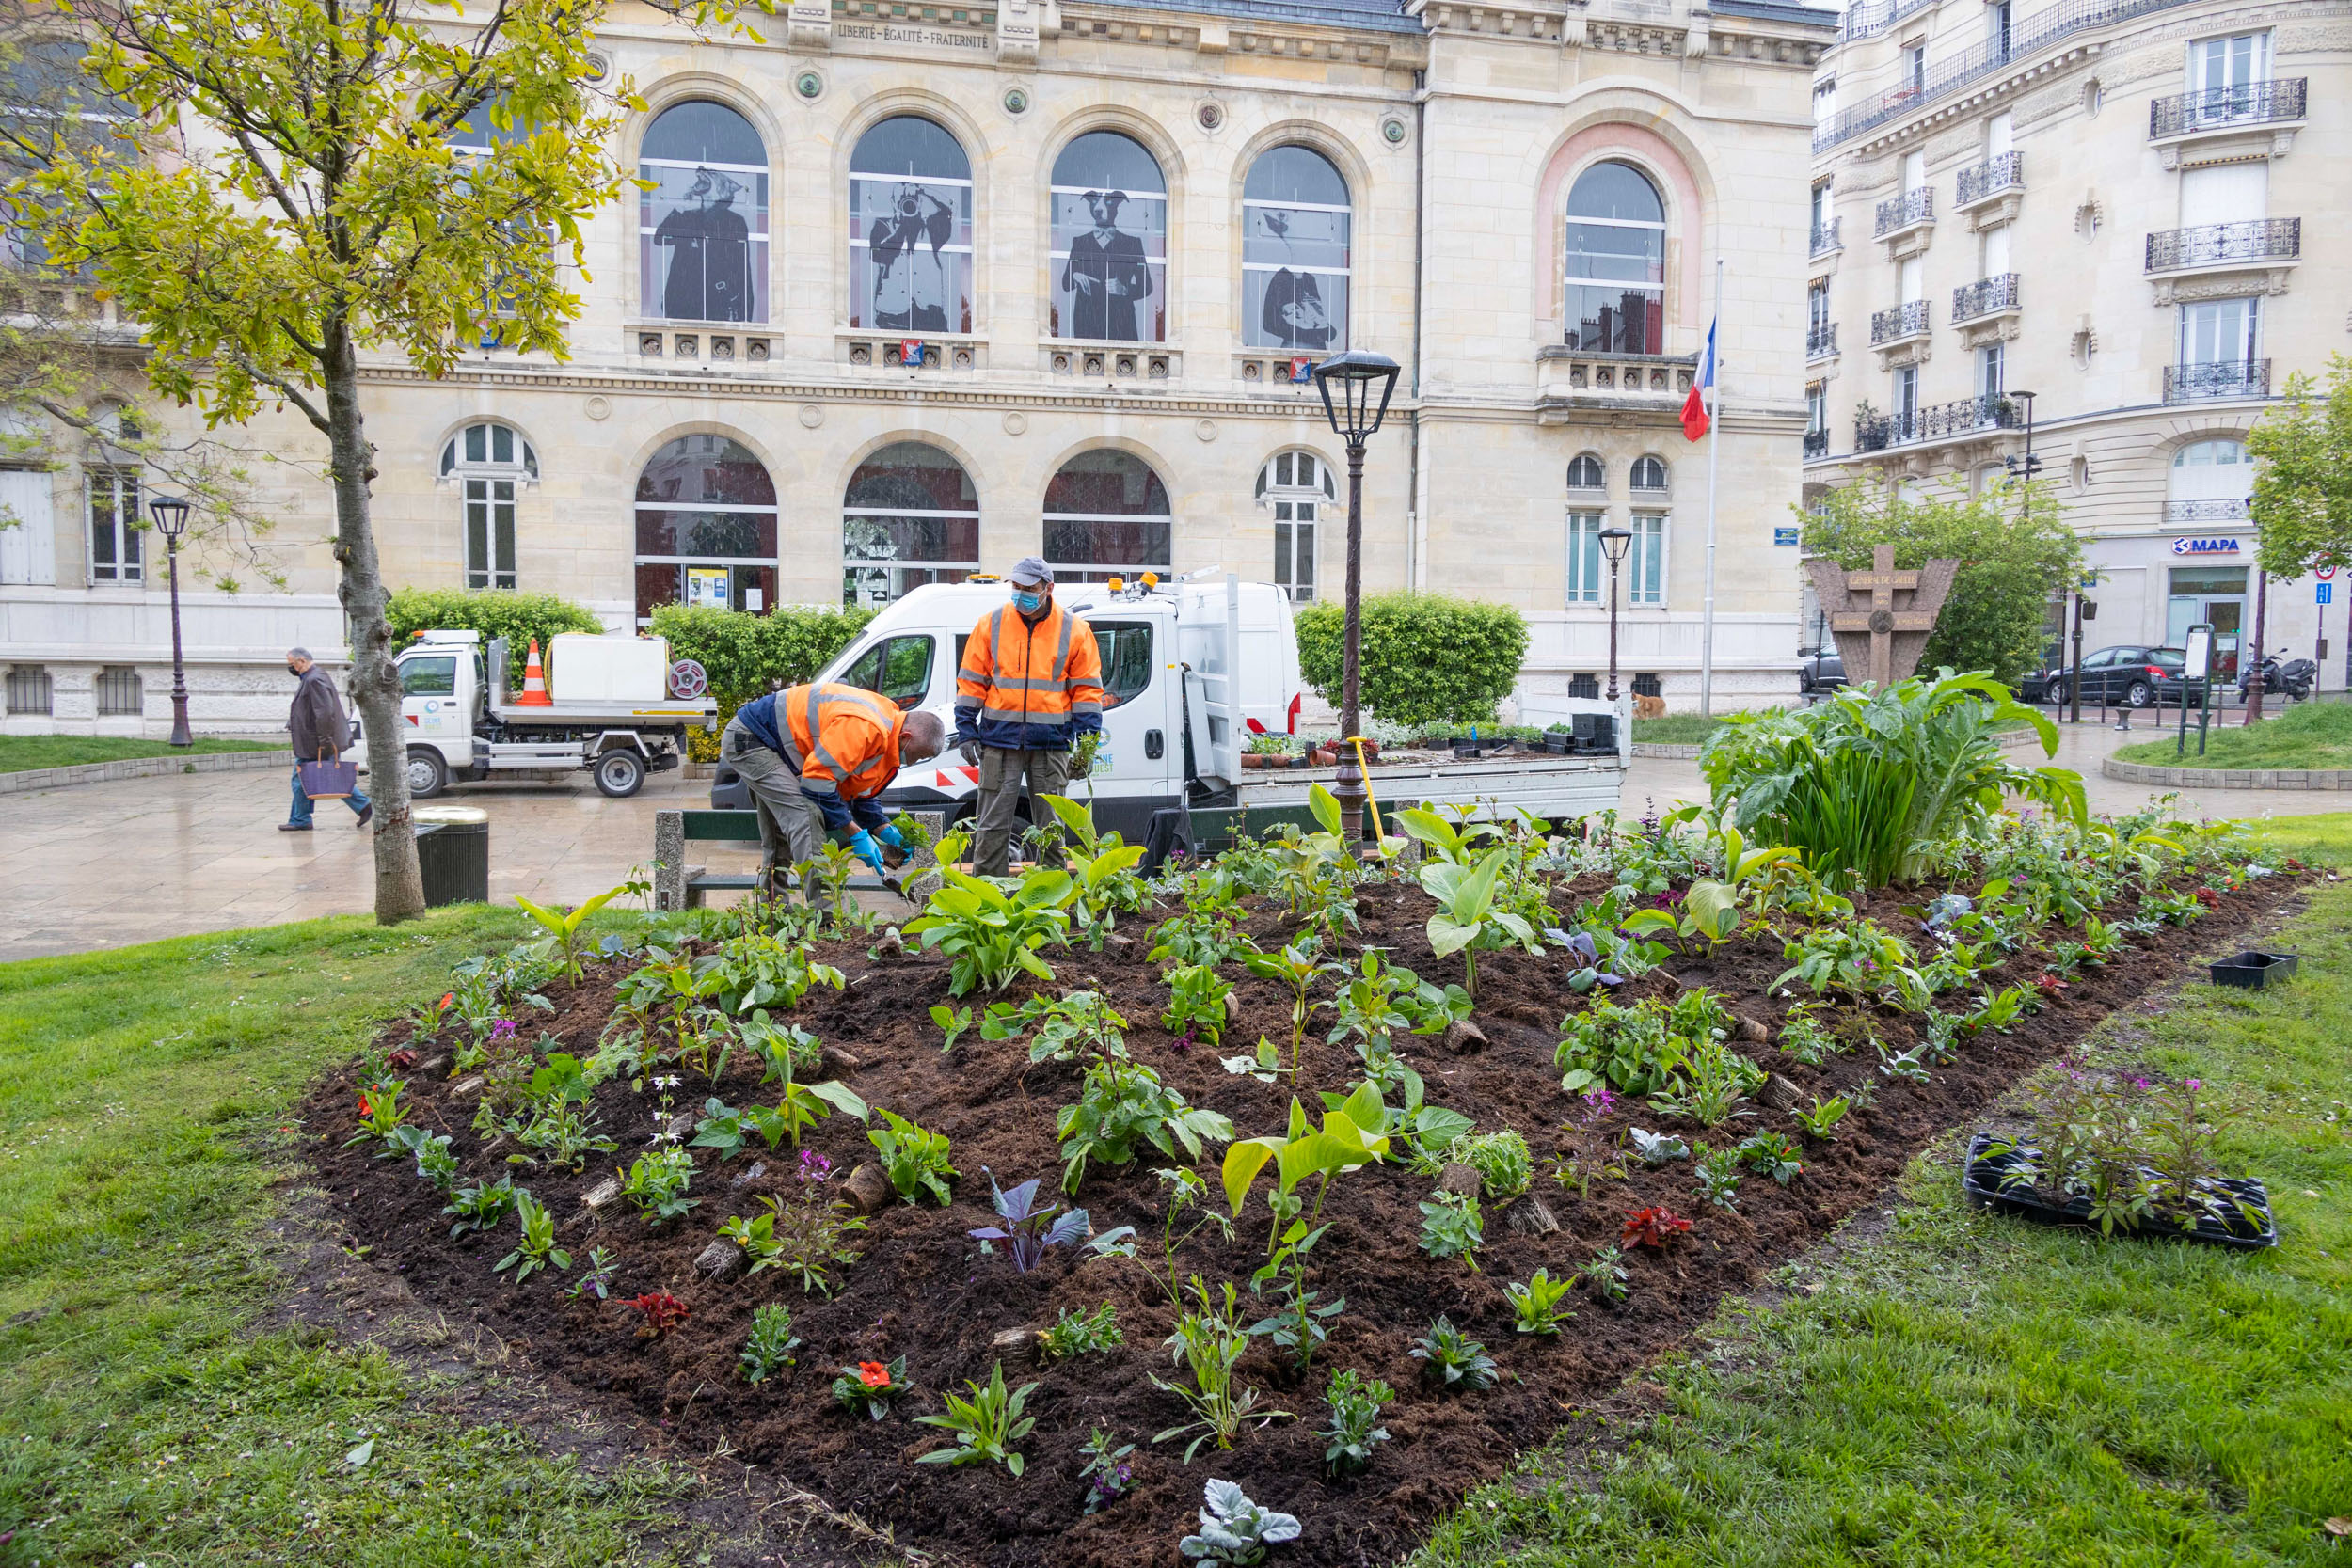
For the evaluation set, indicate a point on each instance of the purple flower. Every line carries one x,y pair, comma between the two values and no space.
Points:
1596,1103
815,1168
2141,1083
501,1030
2196,1084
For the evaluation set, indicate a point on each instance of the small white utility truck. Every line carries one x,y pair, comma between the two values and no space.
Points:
1192,668
617,707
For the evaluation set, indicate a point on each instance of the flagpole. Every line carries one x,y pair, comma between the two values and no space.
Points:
1714,446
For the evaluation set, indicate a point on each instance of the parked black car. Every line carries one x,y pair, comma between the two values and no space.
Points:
2127,676
1821,670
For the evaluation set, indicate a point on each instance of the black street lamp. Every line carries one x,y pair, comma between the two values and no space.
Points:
1355,417
171,521
1615,542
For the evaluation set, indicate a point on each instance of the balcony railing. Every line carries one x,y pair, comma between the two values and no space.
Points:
1902,212
1816,443
2216,108
2221,378
1984,296
2205,511
1906,319
1868,19
1824,237
1820,340
1991,177
1936,422
2220,244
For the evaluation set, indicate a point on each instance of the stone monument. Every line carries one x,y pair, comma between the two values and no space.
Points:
1881,616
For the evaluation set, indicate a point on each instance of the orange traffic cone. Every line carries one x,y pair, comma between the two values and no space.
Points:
535,682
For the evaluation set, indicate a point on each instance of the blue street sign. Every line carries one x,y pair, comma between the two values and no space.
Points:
1784,536
2327,592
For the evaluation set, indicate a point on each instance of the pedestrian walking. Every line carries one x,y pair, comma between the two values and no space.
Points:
815,757
1030,684
321,730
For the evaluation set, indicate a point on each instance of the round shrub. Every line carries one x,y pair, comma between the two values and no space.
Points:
1428,658
493,612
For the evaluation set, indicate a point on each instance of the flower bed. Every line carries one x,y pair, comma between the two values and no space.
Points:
1424,1250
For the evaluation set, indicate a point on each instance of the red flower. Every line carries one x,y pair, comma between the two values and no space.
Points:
366,1108
448,997
1651,1226
873,1374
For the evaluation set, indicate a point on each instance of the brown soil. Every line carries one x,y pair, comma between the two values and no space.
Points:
924,1291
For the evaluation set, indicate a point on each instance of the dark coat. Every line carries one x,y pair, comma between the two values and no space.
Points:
317,722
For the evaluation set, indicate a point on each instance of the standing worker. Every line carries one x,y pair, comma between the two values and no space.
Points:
815,757
321,734
1030,684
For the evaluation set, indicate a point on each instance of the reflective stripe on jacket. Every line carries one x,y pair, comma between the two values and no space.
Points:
844,744
1030,687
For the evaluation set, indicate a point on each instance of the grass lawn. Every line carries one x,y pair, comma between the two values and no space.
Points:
21,753
1971,1389
2293,734
1677,729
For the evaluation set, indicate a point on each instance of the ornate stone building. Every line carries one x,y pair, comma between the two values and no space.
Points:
923,288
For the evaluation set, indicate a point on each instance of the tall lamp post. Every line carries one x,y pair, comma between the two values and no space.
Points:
171,521
1348,381
1615,542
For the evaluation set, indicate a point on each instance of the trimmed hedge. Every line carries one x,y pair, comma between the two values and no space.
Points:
750,655
1427,659
493,612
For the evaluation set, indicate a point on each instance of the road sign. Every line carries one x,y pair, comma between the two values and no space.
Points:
1784,536
2326,574
2327,592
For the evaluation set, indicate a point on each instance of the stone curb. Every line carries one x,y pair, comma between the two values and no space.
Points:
141,767
2229,778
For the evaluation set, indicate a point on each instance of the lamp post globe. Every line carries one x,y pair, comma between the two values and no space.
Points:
1355,387
1615,542
171,520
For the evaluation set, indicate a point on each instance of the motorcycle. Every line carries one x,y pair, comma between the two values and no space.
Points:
2295,678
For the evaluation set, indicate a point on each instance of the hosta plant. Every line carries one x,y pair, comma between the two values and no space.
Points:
870,1385
915,1161
992,933
986,1425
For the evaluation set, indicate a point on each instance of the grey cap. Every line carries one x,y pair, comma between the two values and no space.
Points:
1031,570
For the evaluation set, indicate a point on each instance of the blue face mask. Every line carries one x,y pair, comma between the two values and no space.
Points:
1028,603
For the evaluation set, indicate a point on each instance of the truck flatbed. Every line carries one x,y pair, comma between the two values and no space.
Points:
1490,788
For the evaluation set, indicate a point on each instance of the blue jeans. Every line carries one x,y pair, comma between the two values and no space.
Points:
302,802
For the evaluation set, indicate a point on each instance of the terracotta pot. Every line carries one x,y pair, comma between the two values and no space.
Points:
1256,759
1325,758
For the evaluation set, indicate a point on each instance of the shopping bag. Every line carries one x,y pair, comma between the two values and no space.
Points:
329,779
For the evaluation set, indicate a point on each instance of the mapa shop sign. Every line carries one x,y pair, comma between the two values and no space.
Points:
2205,546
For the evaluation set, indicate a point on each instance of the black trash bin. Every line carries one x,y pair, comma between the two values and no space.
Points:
454,854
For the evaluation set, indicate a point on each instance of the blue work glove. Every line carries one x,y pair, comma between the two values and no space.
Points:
862,846
888,834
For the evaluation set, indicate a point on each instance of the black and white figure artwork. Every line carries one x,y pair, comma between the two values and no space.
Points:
910,229
1110,242
703,225
1295,220
705,250
1106,273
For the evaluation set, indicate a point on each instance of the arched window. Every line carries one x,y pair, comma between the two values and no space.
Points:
488,462
1586,473
1295,247
1297,486
1649,474
1106,515
2210,482
910,516
1109,277
702,228
910,229
46,96
1616,262
705,527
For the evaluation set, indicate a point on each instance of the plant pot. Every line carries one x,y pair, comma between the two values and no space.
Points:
1981,1182
1555,745
2252,970
1258,759
1323,758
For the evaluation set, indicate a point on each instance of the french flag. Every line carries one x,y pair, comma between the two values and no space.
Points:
1694,420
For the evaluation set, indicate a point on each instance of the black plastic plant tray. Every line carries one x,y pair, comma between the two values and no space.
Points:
2252,970
1981,1182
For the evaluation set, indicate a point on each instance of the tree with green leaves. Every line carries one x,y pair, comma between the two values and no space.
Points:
2301,508
304,184
2014,548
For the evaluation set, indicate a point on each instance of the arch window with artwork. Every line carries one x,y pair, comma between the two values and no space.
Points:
1108,277
1297,486
1108,515
488,464
705,527
1297,223
703,225
910,229
910,516
1616,261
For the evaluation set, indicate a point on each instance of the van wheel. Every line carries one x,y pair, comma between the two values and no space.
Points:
620,774
428,775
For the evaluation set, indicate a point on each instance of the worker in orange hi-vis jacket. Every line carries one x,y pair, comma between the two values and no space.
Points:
815,758
1030,684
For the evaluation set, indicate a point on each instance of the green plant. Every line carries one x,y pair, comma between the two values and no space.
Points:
1535,1306
952,1023
380,1116
1903,1067
1208,936
986,1426
1065,1026
1122,1106
1454,1358
1107,1471
1635,1049
1773,1154
564,929
435,1163
1297,1324
872,1385
493,612
1341,1143
1706,1082
756,1236
1209,1342
1821,1118
1851,960
536,1250
1467,918
1427,658
1717,1171
1606,1272
1197,1004
1076,1334
657,1183
749,655
1236,1530
768,1350
1102,870
564,1134
1186,1190
762,969
811,1235
915,1161
480,1206
1452,1227
1355,1400
1505,1163
993,933
1803,1037
1296,966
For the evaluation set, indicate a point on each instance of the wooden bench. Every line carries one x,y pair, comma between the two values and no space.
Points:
677,885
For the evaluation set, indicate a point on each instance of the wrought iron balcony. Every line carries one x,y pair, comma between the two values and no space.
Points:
1907,320
1824,237
2205,511
1984,297
2219,378
1902,212
2218,108
2221,243
1990,178
1871,18
1935,422
1816,443
1820,340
